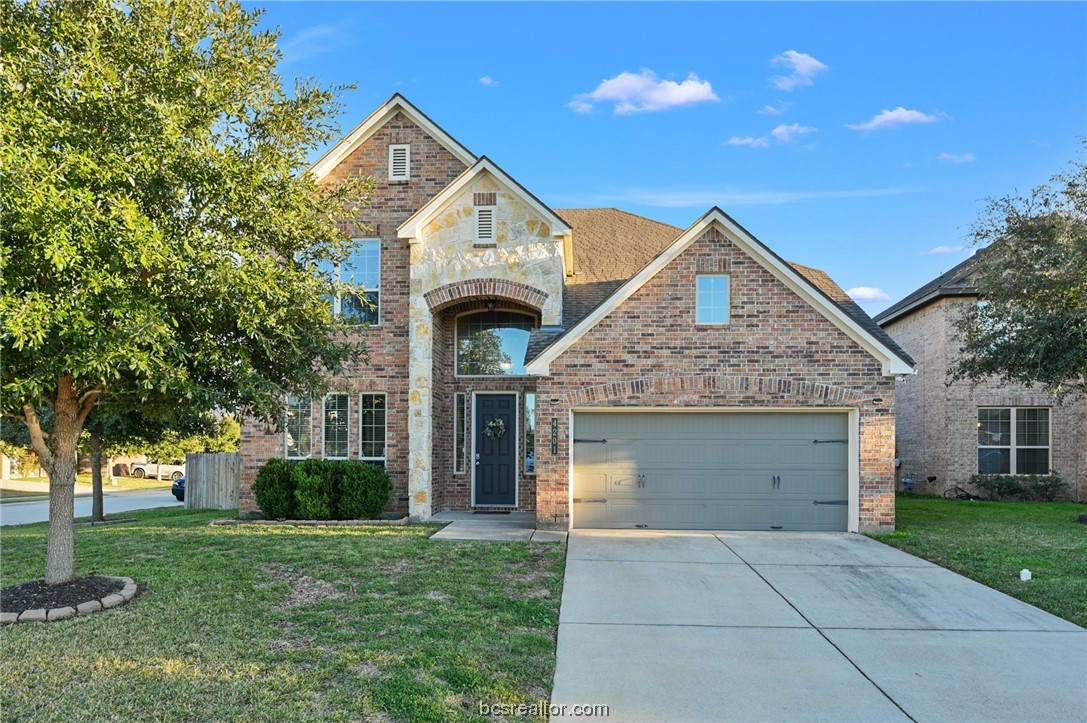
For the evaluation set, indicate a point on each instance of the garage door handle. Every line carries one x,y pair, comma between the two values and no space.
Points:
578,500
590,441
830,441
830,502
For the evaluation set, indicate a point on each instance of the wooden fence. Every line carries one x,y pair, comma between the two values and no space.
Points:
212,481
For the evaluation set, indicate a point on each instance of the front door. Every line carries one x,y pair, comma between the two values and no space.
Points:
495,465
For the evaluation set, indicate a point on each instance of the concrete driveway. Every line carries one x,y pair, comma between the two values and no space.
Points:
700,626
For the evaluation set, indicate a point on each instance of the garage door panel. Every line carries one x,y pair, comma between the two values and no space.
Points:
711,470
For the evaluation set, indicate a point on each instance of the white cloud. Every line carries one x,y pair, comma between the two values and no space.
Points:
315,40
644,93
868,294
749,141
773,109
488,81
803,66
789,133
956,157
941,250
893,118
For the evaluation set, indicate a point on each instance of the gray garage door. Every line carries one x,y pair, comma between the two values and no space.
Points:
727,471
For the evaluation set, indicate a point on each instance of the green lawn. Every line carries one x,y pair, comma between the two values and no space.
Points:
992,541
123,483
7,495
282,623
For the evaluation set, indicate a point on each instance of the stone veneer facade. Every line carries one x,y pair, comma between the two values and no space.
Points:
937,423
777,350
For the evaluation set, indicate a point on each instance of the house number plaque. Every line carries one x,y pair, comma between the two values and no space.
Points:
554,435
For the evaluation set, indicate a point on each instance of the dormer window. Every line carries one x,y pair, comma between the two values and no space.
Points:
485,225
400,162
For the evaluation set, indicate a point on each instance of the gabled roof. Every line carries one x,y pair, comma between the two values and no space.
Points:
847,316
363,131
410,229
956,282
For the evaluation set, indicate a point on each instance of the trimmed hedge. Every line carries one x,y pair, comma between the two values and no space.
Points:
274,490
317,489
1033,488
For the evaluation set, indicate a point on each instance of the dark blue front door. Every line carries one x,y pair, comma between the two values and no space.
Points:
495,468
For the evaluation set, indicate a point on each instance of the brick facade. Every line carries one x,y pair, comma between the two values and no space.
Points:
433,168
937,423
777,351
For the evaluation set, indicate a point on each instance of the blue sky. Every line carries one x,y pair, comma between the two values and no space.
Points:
861,138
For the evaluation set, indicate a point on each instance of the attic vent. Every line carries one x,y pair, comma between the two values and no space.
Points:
400,162
485,224
484,199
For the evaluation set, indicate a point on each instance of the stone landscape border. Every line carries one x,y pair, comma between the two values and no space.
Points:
41,615
401,522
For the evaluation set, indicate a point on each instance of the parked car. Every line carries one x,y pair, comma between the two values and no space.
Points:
178,488
159,470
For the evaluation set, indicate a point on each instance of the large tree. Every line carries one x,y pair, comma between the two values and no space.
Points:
160,235
1031,275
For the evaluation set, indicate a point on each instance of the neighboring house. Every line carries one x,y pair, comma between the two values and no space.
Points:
950,432
595,367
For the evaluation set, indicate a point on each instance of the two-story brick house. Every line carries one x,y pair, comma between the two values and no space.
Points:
950,432
598,368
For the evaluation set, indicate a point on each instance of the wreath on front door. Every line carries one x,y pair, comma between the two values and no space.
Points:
495,428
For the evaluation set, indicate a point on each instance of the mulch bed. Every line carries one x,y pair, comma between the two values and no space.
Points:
36,594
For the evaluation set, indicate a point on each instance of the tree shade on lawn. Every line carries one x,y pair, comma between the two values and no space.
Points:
161,238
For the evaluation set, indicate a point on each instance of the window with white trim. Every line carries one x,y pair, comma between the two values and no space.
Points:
530,433
460,433
335,426
298,428
485,233
361,269
372,428
400,162
712,299
1013,440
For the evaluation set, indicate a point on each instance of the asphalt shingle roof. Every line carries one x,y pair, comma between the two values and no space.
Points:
611,246
956,282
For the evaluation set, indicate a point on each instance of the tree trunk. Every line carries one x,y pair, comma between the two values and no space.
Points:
60,548
97,512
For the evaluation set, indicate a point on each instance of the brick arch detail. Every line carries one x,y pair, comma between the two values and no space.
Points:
458,291
780,389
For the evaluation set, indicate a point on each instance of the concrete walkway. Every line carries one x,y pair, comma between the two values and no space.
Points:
774,626
511,527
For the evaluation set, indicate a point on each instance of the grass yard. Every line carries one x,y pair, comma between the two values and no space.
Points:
992,541
121,483
285,623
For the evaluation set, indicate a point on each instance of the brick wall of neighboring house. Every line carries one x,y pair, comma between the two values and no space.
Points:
776,351
453,491
937,424
432,169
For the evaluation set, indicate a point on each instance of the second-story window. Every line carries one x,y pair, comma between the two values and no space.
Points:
361,269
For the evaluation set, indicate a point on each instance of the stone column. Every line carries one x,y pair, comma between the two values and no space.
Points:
420,403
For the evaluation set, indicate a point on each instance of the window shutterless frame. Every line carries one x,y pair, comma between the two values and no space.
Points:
1013,445
456,342
712,299
345,410
365,244
298,425
460,433
373,403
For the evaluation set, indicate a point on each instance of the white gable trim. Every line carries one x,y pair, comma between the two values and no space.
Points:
411,228
365,130
891,363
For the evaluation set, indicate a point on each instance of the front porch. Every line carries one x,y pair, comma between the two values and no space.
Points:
495,527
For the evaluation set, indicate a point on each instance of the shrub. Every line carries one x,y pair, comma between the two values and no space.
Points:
1041,488
274,490
364,490
313,481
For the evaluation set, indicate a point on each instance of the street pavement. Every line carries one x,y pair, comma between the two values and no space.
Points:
21,513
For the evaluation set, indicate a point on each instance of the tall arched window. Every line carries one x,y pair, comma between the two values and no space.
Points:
493,343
